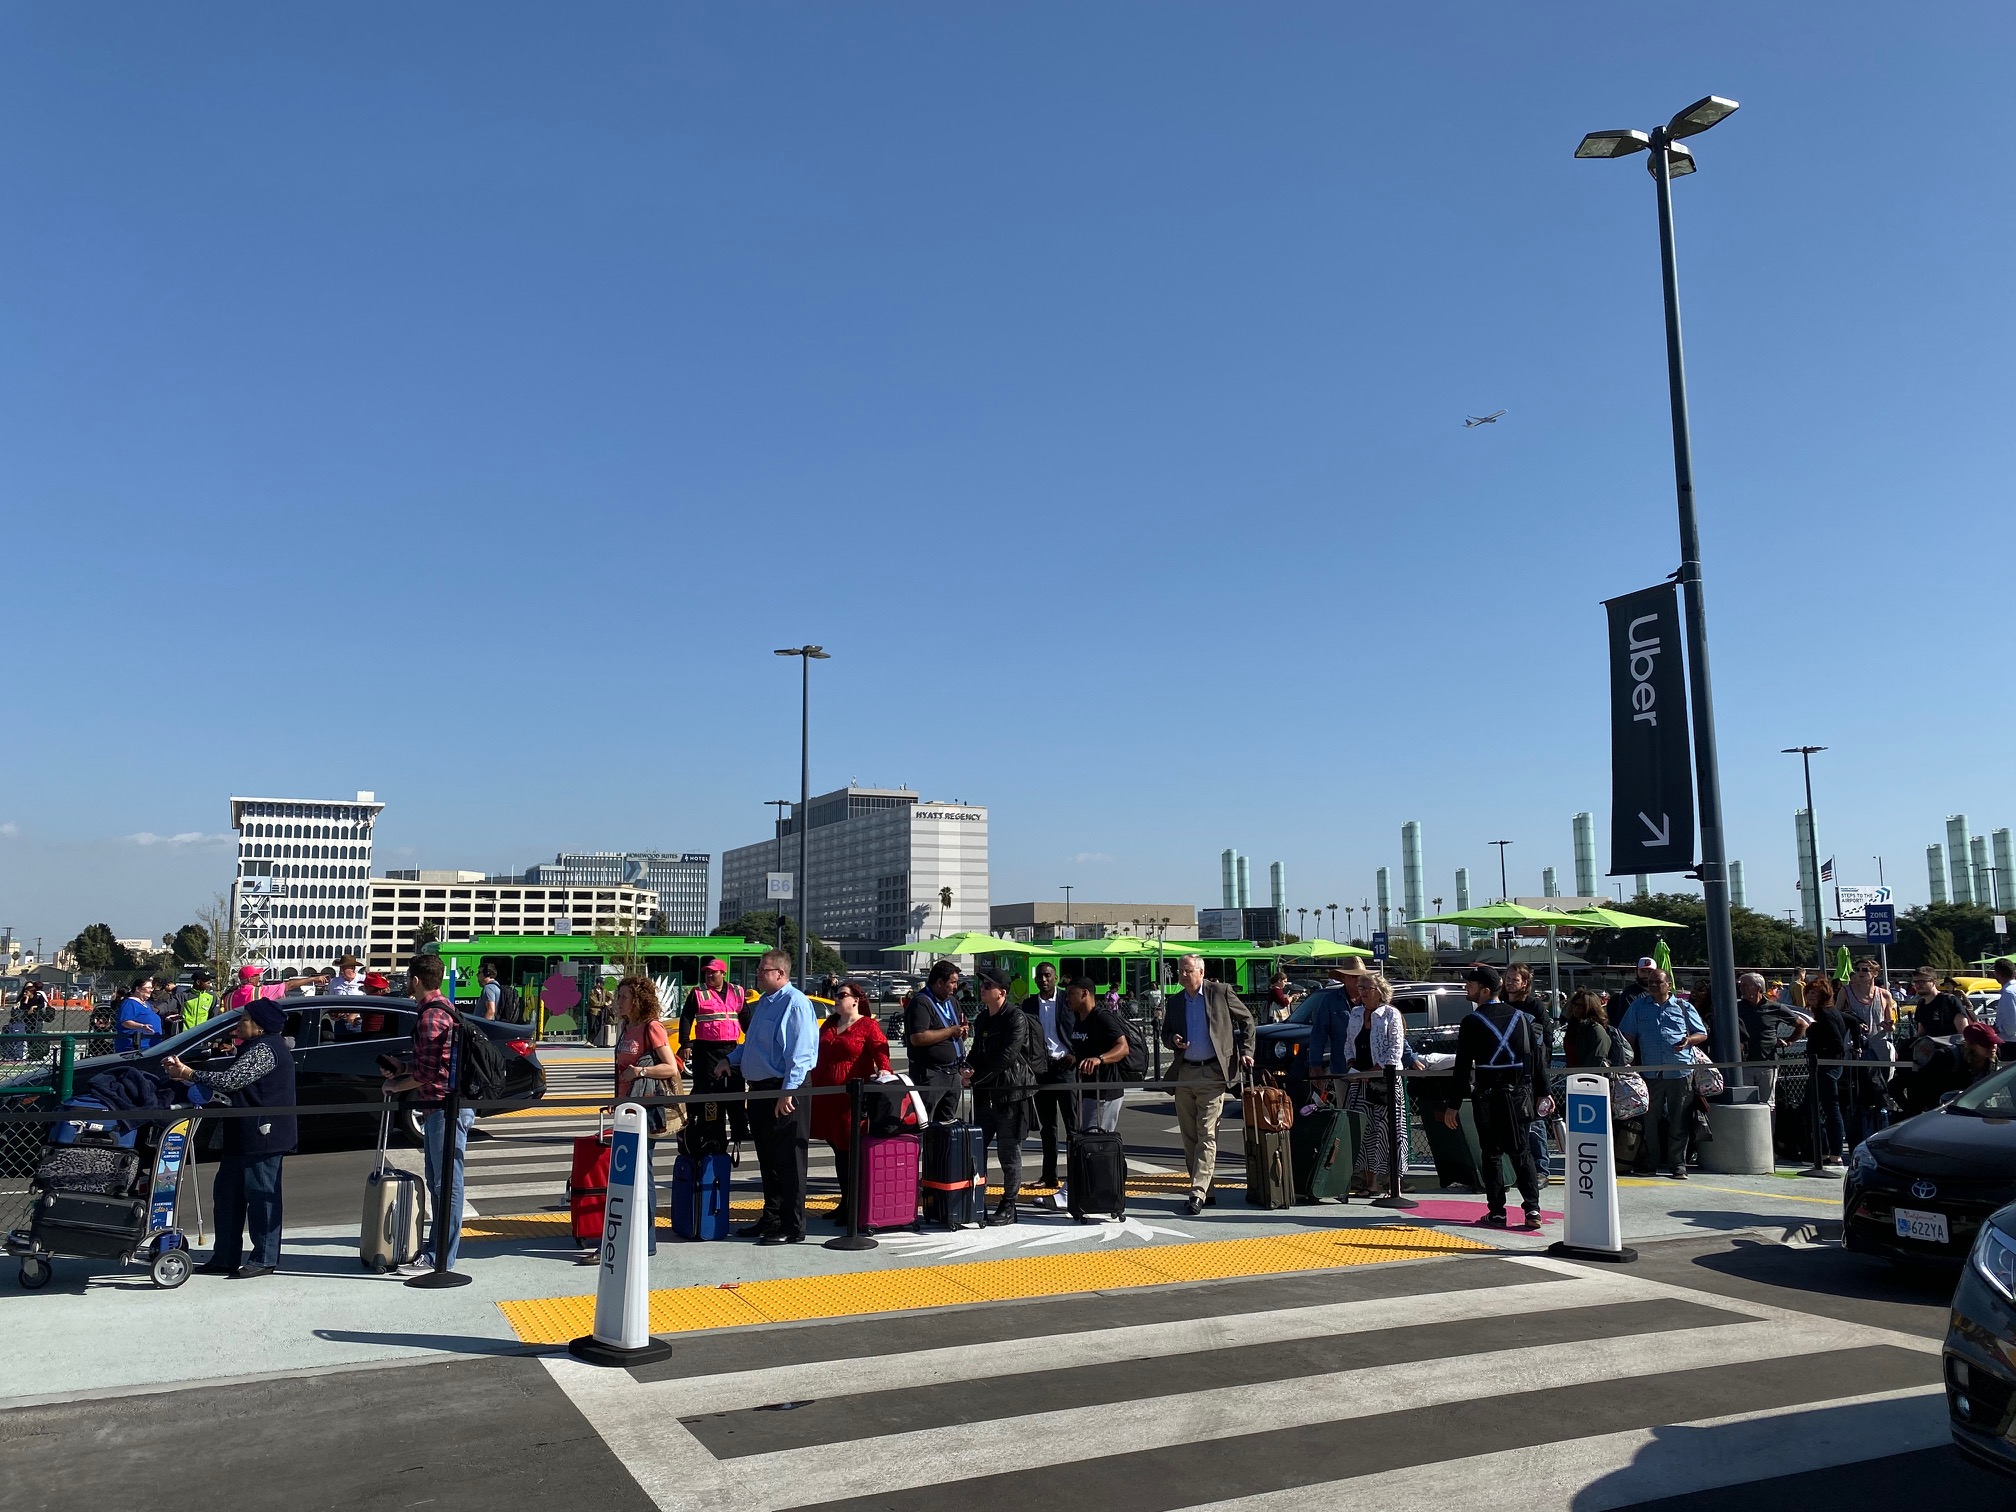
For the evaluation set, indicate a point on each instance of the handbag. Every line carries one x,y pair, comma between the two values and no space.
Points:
1707,1078
661,1116
1628,1096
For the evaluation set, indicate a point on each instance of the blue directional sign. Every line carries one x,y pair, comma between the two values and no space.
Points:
1379,945
1879,923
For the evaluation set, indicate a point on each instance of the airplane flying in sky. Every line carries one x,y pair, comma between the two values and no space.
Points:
1477,420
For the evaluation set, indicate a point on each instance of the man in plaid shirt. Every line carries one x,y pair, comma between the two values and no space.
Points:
430,1076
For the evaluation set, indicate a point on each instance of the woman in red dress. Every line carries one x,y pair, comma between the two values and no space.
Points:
852,1047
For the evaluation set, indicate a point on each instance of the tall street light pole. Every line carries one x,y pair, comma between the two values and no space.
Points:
1066,890
806,656
1670,158
1504,888
1812,877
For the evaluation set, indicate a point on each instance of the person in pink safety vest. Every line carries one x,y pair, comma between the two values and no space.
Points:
710,1025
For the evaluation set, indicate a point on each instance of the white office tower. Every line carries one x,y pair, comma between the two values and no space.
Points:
298,886
1935,872
1809,870
1739,897
1412,883
1959,858
1585,856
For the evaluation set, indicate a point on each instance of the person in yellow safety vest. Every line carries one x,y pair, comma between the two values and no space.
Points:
710,1025
201,1001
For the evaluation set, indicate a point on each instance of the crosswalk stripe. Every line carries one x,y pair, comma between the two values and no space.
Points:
742,1390
1615,1470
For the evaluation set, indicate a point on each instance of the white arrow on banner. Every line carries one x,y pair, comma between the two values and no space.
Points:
1662,832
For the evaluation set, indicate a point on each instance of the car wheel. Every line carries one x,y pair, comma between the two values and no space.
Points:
408,1119
35,1273
170,1268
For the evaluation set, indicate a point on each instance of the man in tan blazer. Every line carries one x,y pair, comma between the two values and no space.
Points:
1210,1029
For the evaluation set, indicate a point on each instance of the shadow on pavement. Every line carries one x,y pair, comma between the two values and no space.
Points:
1830,1272
440,1343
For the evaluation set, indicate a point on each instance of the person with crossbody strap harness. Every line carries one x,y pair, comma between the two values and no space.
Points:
1499,1068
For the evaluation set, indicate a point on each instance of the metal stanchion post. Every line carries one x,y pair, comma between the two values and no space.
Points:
66,1068
854,1239
1396,1196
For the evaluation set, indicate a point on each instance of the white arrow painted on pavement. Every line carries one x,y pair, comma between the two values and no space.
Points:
1662,832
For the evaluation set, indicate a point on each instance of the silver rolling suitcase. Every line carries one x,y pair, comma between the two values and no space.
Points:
395,1212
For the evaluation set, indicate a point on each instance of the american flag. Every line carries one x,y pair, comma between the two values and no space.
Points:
1827,870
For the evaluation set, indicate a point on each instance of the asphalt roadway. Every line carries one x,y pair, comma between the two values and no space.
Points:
1169,1405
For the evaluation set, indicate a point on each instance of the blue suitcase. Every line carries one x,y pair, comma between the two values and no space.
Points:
700,1199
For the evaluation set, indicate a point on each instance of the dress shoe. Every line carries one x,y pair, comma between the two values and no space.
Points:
251,1272
776,1237
762,1228
214,1268
1194,1206
1004,1211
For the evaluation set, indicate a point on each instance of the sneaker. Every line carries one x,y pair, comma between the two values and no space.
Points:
1532,1218
1062,1201
251,1272
214,1268
1679,1173
1492,1220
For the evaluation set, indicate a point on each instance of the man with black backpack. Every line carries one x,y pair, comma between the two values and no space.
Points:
1006,1054
1208,1027
1501,1068
446,1064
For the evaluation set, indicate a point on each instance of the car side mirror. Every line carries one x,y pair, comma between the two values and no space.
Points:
1947,1097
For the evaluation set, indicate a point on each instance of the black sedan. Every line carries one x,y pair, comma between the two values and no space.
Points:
1921,1191
336,1042
1980,1343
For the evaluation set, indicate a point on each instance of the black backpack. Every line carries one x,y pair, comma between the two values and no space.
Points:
508,1002
479,1063
1135,1066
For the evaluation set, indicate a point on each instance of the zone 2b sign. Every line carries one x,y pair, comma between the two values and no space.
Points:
1879,923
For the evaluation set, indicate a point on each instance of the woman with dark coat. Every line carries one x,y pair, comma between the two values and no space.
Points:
247,1190
1834,1036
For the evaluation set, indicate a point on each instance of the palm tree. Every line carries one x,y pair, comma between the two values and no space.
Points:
944,905
1333,921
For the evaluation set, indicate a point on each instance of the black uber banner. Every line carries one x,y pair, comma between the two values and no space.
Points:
1651,768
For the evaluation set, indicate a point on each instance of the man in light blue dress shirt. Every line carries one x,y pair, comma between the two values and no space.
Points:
777,1053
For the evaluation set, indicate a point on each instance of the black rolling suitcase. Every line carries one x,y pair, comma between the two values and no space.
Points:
955,1174
1321,1146
88,1224
1096,1173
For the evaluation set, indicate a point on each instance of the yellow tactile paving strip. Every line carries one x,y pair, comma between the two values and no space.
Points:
684,1309
748,1209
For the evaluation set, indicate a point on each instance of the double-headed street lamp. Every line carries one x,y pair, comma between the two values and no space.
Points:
806,655
1670,159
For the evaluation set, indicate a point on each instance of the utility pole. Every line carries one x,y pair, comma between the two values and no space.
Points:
1504,887
1066,890
1812,878
806,656
779,804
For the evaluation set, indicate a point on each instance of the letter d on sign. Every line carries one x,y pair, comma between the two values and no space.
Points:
1593,1230
623,1287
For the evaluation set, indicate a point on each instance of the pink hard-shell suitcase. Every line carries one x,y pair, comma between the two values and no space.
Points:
890,1164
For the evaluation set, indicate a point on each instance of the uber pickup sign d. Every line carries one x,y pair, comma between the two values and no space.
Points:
1593,1230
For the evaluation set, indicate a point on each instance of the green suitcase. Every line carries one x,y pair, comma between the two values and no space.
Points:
1270,1181
1323,1150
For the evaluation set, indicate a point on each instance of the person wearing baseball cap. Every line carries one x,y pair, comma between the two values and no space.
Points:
1501,1066
710,1024
201,1001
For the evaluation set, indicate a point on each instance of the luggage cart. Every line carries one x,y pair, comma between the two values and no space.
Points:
134,1230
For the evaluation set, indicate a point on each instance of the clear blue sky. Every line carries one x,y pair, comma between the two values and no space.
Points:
1087,378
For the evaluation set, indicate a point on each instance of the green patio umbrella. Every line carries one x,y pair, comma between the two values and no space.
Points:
1843,968
1616,918
1319,950
965,943
1662,957
1509,916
